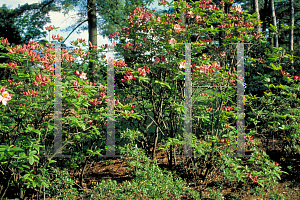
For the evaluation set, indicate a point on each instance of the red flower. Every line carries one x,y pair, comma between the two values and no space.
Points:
77,72
5,41
276,163
255,179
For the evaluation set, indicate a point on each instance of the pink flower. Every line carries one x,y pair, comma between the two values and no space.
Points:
5,96
190,14
177,28
5,41
182,65
49,28
156,61
276,163
172,40
77,72
142,71
83,76
13,65
198,18
255,179
238,8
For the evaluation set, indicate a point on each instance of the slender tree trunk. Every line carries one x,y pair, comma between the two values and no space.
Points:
265,18
292,23
258,16
92,23
274,23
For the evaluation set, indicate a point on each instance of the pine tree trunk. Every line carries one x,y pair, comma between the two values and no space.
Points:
292,19
92,24
258,16
274,23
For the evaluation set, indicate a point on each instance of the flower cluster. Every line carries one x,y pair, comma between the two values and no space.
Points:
157,60
256,36
143,71
5,96
120,63
79,40
112,35
178,28
224,140
11,65
163,2
182,65
224,25
28,93
41,80
207,109
14,82
296,78
238,8
255,179
82,75
172,40
285,73
75,84
95,102
49,28
93,46
127,45
190,14
5,41
128,77
227,108
261,60
205,94
57,37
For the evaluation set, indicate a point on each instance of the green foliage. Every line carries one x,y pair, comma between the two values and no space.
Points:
61,186
149,182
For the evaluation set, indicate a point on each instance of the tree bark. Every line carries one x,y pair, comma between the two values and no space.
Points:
92,24
258,16
275,39
292,23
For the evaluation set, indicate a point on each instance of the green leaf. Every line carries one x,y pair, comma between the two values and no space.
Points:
52,161
36,131
26,166
31,160
163,84
1,155
32,152
16,149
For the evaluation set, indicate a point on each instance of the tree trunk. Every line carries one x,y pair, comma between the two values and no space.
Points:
292,23
92,23
258,16
274,23
264,16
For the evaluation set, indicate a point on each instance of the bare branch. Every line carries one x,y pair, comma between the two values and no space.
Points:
75,29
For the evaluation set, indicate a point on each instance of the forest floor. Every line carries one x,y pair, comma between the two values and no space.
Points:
116,169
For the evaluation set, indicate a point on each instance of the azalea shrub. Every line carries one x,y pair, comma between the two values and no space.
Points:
156,42
27,126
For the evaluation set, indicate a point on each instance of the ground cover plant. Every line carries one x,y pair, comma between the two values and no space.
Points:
155,115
